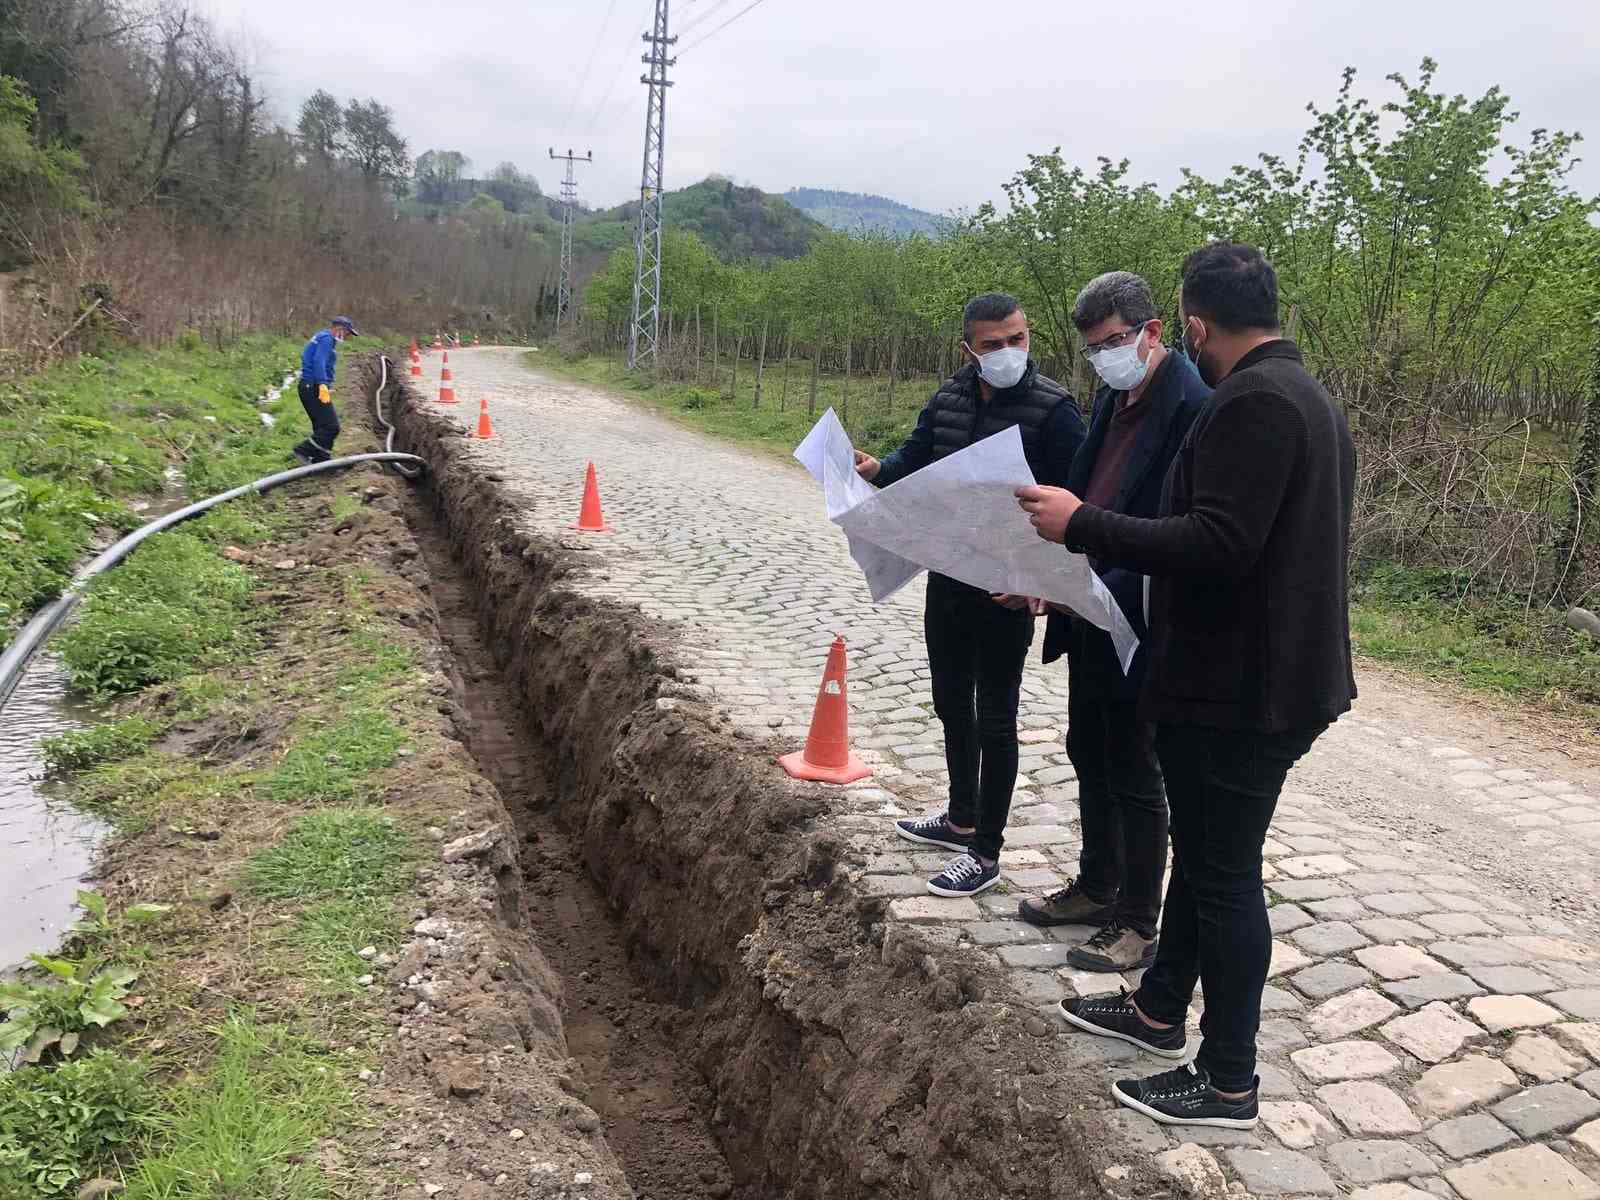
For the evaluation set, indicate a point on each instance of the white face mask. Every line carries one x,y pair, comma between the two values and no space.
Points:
1003,367
1122,368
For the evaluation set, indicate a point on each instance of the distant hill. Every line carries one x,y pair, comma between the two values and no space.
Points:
736,222
855,211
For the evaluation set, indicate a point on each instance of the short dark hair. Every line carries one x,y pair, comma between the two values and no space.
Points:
1116,292
991,306
1232,284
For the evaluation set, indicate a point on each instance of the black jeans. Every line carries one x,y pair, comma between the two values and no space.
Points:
324,425
976,650
1222,786
1121,803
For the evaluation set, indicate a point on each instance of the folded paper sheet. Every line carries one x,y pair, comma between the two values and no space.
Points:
959,517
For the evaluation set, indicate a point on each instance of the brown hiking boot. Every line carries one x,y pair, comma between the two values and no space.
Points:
1114,948
1069,906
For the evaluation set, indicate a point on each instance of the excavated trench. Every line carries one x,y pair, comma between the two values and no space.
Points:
747,1022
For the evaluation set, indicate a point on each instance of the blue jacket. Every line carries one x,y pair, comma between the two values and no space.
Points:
319,357
1176,395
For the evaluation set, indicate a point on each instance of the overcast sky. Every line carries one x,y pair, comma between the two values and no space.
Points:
930,102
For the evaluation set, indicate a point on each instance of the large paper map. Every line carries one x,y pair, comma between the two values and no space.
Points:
957,516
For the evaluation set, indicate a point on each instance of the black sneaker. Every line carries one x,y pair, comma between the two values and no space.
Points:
964,875
1114,1017
1070,905
933,830
1185,1097
300,456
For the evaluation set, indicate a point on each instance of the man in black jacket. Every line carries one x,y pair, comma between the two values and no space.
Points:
1142,412
977,643
1249,661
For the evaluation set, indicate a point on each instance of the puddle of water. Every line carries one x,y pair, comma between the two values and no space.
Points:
48,846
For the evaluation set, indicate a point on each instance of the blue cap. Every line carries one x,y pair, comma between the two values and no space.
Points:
348,324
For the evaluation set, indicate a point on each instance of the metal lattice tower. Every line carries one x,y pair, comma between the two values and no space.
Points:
646,326
569,204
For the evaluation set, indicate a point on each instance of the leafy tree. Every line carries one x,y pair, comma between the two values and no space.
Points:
437,173
31,178
518,192
321,126
372,145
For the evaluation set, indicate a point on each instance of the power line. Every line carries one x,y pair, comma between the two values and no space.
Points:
623,70
583,79
707,37
705,15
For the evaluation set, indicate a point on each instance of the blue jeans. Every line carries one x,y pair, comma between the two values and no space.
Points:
1222,789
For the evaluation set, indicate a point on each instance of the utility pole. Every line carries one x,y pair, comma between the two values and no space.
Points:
569,203
646,325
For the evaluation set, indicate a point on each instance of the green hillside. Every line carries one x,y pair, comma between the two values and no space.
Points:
857,212
736,222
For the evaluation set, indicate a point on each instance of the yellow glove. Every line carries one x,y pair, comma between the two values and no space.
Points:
323,395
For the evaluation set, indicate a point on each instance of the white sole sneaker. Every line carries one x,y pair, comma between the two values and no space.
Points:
953,894
958,847
1156,1114
1101,1031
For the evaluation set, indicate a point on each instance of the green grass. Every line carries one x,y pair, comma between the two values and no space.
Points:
779,424
98,744
370,661
350,853
324,938
334,762
248,1128
57,1125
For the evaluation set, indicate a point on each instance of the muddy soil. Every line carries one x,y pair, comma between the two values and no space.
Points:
830,1054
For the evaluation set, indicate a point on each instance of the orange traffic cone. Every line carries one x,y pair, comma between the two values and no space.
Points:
485,430
590,519
438,342
416,365
476,340
827,757
447,394
413,347
447,356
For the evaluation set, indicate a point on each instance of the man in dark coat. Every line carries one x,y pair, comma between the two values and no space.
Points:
1249,662
977,643
1142,412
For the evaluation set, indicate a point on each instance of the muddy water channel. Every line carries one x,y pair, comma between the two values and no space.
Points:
46,846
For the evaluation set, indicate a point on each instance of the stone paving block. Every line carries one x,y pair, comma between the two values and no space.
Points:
1377,1161
1457,924
1397,1191
1543,1058
1526,1173
1285,958
1589,1137
1040,987
1328,938
887,864
1138,1131
1039,835
1340,908
1302,890
1454,1087
1480,952
895,885
1349,1013
1584,1036
1370,882
1394,929
934,908
1039,956
1540,946
1276,1083
1398,962
1033,878
1344,1060
1194,1170
1470,1136
1456,903
1280,1173
1090,983
1298,1125
1278,1035
1546,1109
1499,1013
1473,779
1424,989
1367,1108
1329,979
1589,1081
1275,999
1512,980
1003,933
1286,918
1398,904
1580,1002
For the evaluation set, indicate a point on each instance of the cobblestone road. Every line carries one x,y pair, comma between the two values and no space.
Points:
1433,1022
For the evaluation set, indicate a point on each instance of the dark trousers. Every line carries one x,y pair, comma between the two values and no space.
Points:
1121,803
976,650
324,425
1222,787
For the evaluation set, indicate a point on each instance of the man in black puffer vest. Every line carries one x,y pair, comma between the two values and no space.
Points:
977,643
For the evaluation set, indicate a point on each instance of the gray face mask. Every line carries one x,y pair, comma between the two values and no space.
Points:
1002,368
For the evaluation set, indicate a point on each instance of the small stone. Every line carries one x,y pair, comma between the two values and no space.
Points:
1499,1013
1543,1058
583,1178
1194,1170
1548,1108
1471,1135
367,952
1344,1060
1434,1034
1281,1173
1380,1160
284,564
433,927
1522,1174
1297,1124
1364,1108
516,1135
1399,962
1350,1013
364,980
432,1189
1454,1087
1036,1027
95,1189
473,844
364,1076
